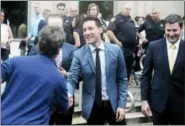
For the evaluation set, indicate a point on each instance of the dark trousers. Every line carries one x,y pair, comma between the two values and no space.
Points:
62,118
4,54
102,113
129,60
167,118
29,49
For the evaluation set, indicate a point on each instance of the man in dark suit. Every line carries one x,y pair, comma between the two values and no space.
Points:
162,83
63,61
30,94
104,77
61,10
43,22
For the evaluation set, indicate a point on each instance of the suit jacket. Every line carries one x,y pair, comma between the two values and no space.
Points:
67,54
42,23
116,77
163,87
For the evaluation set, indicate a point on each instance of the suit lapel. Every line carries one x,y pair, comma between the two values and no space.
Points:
165,53
179,55
64,52
90,57
107,59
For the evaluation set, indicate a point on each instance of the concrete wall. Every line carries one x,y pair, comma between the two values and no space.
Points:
142,8
51,5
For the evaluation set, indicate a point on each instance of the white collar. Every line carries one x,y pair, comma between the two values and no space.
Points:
176,44
101,47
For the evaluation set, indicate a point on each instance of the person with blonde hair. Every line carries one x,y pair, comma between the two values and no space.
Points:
94,11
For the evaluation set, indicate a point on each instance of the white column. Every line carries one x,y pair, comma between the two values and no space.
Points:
140,8
29,17
148,6
118,6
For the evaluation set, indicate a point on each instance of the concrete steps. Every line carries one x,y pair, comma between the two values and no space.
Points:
133,117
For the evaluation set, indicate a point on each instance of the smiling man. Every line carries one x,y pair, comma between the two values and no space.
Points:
104,77
163,92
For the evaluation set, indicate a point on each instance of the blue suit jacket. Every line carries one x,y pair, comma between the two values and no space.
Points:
116,75
34,86
163,87
42,24
67,54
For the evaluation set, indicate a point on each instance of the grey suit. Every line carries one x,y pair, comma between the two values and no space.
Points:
116,75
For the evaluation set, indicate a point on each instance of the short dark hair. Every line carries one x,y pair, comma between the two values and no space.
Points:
95,19
51,39
61,4
174,18
148,17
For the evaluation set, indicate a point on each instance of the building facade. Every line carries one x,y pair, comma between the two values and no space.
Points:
25,9
138,8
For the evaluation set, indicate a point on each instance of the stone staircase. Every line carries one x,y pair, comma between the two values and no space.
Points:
134,117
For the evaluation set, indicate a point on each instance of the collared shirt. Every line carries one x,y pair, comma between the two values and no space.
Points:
153,30
58,59
176,45
34,26
103,68
124,30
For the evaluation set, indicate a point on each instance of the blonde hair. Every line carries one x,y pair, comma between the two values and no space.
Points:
90,6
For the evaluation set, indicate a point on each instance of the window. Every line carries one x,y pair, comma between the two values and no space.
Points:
17,16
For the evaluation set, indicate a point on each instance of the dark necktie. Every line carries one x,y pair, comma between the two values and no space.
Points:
98,95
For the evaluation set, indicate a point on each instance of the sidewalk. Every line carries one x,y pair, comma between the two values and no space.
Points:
14,46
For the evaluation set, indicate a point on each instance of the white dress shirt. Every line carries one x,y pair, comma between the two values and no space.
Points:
58,59
176,50
103,68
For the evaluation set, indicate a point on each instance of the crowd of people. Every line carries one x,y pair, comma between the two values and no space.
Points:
63,51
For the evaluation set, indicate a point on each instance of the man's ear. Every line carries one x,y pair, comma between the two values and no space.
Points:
101,29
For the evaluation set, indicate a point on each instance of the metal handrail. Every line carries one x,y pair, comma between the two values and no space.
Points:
132,101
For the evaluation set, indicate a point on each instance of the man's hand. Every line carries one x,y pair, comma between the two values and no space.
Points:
63,71
120,114
145,109
120,44
70,101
